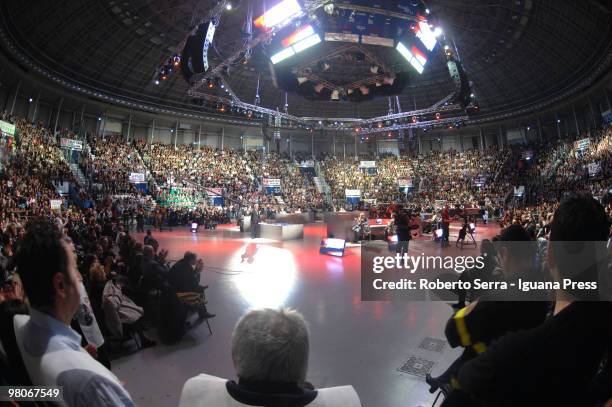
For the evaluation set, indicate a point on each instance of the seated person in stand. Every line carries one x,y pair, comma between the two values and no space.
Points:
51,350
270,354
184,276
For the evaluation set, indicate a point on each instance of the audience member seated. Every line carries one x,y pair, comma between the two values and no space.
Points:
495,314
121,314
184,276
270,352
50,349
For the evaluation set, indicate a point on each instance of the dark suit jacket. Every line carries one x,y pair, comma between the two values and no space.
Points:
183,278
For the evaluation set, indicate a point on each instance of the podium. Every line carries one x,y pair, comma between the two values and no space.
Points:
281,231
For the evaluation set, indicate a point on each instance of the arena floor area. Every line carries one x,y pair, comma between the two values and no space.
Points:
352,342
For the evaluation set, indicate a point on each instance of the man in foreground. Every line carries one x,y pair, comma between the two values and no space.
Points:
270,354
51,350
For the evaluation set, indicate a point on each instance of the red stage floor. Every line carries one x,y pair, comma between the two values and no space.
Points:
352,342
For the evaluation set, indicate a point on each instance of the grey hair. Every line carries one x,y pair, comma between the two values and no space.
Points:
271,345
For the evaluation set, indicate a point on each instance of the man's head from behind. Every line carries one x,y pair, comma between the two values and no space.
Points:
190,257
516,251
578,233
271,346
46,263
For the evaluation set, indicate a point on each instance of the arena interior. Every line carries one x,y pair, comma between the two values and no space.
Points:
324,203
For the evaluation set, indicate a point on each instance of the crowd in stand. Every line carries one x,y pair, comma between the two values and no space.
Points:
109,165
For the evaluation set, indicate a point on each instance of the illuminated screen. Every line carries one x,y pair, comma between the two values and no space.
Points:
278,14
414,56
298,35
301,39
426,35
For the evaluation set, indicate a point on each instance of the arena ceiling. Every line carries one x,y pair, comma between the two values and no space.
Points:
516,52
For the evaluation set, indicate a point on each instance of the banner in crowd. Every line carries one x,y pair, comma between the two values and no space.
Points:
71,144
137,178
367,164
404,183
214,191
271,182
607,116
594,169
583,144
479,182
519,191
353,196
7,128
272,186
56,204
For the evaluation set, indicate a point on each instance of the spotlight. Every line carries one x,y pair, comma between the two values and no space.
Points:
228,6
176,60
99,119
29,100
414,119
438,116
558,120
380,125
210,84
528,128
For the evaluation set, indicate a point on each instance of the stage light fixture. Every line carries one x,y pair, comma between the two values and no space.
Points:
318,88
157,81
389,79
283,11
438,116
176,60
228,6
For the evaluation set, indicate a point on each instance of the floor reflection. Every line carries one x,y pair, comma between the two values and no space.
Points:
267,275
